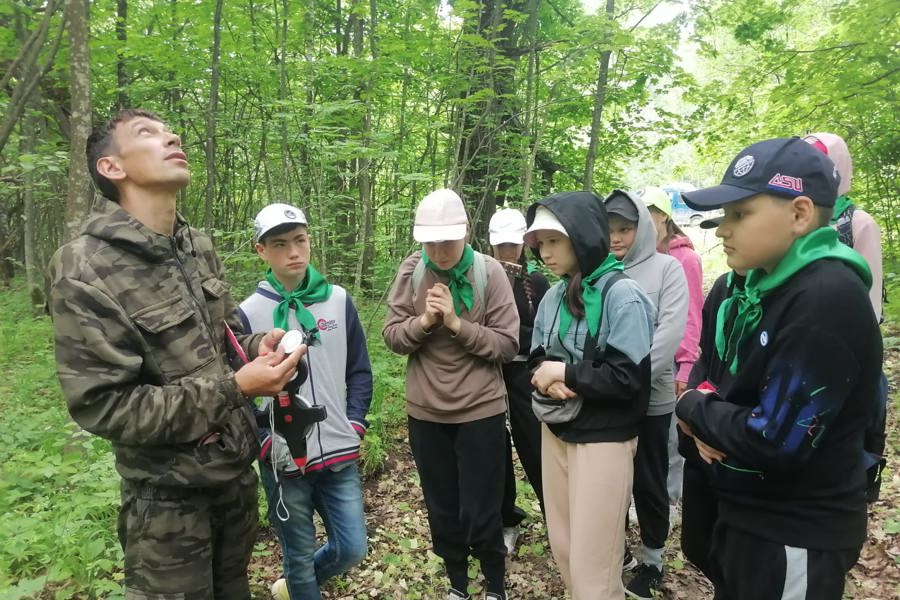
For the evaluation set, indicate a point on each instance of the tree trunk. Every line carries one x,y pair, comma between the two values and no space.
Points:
122,36
31,268
362,279
597,119
284,175
211,120
25,68
80,192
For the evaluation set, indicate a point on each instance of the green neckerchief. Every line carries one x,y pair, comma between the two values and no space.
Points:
460,287
819,244
592,297
313,289
530,267
840,207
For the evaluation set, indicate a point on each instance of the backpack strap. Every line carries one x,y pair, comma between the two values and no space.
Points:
590,344
844,226
417,274
479,272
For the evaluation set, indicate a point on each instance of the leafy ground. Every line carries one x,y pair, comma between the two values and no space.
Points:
400,565
59,493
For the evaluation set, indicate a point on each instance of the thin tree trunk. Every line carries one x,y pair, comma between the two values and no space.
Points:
31,267
211,120
282,31
80,193
30,76
599,101
122,36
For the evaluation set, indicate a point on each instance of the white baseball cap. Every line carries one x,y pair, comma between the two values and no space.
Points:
277,214
507,226
544,220
440,217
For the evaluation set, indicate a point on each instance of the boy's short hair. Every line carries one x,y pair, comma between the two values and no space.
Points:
278,230
101,140
823,213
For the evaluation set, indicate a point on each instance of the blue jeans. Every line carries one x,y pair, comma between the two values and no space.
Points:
337,497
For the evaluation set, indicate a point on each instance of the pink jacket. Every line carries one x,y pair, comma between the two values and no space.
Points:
689,350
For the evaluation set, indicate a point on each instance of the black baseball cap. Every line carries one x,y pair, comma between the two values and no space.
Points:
788,167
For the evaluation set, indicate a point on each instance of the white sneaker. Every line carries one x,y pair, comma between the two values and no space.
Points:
279,590
510,537
455,594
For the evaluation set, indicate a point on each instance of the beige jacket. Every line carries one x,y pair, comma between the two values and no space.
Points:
453,379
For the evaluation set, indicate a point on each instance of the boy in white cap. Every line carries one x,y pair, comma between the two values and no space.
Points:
295,296
506,231
451,310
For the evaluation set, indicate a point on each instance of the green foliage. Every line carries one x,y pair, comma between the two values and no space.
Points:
58,489
59,492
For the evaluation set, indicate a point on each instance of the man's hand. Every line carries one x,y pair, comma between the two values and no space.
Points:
547,373
270,341
685,428
266,375
559,391
440,300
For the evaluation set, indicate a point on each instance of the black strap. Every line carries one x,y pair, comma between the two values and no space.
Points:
590,344
844,226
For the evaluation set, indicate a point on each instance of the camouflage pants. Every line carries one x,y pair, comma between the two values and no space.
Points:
188,544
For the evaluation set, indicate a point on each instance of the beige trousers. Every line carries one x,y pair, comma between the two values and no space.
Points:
587,488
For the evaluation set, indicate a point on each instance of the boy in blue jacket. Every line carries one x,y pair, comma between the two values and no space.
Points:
785,440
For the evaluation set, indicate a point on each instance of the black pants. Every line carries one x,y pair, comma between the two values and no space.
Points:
526,434
461,467
651,470
746,567
699,511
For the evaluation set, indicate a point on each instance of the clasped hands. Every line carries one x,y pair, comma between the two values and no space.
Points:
706,452
550,380
439,309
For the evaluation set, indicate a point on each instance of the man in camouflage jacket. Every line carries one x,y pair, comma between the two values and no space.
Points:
139,309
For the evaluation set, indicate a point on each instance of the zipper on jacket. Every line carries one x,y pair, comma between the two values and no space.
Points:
197,308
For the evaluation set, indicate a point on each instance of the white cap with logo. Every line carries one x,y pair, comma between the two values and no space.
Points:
277,214
507,226
440,217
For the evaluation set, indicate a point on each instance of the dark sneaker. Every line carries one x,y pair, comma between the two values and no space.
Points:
629,562
645,582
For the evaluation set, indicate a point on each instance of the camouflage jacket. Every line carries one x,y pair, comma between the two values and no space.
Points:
139,322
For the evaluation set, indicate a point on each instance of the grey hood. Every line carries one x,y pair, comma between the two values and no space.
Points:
662,279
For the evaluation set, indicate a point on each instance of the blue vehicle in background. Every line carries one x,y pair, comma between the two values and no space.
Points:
683,214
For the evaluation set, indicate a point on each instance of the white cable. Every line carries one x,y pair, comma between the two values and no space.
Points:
281,510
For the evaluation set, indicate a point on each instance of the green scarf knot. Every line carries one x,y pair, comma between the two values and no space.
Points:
592,297
313,289
746,304
840,207
460,287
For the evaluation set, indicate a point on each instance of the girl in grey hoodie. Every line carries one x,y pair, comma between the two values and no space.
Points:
633,240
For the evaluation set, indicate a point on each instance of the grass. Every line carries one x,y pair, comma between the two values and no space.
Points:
59,491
